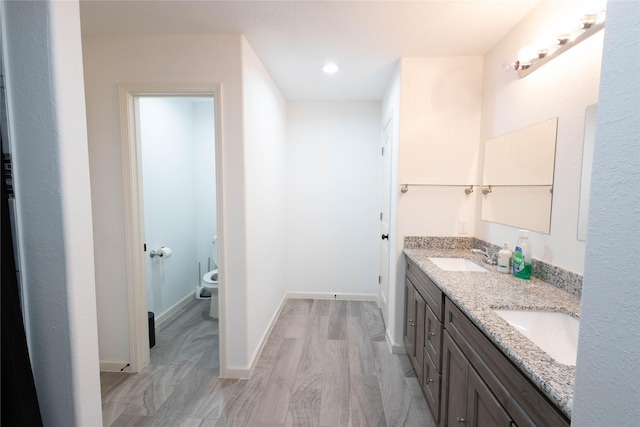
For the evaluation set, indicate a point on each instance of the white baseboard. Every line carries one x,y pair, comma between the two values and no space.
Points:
394,347
114,366
174,311
238,372
329,295
397,348
244,372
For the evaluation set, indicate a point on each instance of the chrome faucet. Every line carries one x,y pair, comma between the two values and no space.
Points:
488,258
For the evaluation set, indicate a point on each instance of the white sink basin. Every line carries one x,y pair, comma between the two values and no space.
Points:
456,264
555,333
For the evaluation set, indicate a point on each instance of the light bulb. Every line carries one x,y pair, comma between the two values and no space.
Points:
330,68
508,66
527,54
588,21
546,39
564,38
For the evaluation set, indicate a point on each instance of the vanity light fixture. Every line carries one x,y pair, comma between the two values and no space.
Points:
531,58
330,68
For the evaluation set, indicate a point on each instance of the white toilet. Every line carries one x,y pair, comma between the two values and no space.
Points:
210,283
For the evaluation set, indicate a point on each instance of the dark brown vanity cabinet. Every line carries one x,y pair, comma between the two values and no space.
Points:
465,378
497,392
424,303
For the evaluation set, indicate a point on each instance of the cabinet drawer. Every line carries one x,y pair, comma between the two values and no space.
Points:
431,383
429,291
433,337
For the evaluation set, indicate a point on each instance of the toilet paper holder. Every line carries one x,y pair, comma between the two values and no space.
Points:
163,252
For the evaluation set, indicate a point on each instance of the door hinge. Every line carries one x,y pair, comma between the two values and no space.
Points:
383,151
380,216
7,174
379,279
145,247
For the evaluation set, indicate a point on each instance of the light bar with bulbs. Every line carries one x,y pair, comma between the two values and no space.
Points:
531,58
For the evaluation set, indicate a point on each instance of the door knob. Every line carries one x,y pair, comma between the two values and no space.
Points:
385,236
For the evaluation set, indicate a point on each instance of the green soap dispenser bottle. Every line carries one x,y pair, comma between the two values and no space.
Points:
522,256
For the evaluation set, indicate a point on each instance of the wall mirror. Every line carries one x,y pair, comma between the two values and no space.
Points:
517,182
587,160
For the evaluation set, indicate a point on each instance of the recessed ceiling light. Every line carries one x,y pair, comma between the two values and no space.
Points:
330,68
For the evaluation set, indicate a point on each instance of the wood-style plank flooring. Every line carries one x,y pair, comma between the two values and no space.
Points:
325,363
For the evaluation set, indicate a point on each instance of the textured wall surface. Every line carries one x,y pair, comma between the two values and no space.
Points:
608,367
43,60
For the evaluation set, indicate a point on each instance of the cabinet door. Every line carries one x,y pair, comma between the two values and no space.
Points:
414,307
419,307
455,378
409,319
483,409
431,381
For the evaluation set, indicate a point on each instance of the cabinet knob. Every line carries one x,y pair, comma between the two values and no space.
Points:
429,380
410,322
461,420
432,334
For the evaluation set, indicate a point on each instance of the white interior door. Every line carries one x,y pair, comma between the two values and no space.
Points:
385,210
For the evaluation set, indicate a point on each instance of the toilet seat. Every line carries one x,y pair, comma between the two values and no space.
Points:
210,279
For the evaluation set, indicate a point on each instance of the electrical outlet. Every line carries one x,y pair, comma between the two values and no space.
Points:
462,226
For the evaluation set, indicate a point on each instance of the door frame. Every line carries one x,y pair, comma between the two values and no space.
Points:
135,256
387,158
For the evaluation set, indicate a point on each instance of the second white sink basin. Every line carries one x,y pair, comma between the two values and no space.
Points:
555,333
456,264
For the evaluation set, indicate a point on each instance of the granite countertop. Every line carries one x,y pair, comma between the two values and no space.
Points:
478,294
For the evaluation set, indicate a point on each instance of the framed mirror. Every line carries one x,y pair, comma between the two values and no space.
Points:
587,160
518,177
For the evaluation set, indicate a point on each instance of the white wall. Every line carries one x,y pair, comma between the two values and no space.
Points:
168,173
562,88
333,197
110,61
43,60
438,129
264,128
607,373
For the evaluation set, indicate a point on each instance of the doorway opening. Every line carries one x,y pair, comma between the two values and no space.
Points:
173,223
179,198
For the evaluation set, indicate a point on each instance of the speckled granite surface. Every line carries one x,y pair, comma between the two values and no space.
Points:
560,278
427,242
478,294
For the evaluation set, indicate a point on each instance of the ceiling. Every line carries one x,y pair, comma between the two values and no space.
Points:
294,39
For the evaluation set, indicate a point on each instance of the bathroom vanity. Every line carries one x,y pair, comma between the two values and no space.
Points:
474,368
